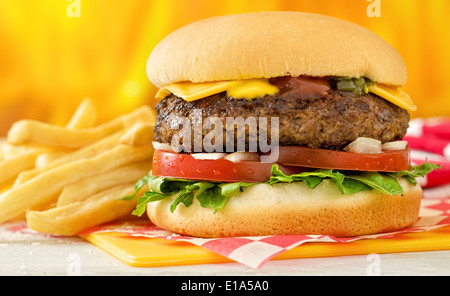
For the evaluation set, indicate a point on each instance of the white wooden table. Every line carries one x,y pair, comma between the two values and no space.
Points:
30,254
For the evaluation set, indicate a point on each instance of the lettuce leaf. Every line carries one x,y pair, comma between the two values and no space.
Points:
215,195
379,181
417,172
209,194
212,198
347,184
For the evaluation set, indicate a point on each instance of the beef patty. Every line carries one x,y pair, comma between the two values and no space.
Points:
329,121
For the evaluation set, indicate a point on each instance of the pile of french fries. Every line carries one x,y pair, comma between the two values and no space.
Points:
65,179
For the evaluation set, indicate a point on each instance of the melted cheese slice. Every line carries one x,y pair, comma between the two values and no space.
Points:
256,88
239,89
394,95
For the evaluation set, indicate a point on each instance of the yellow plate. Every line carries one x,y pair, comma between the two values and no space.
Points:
153,252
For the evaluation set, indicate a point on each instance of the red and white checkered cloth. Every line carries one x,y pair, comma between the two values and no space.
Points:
256,250
429,140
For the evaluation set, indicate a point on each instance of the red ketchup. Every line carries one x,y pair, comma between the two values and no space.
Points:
302,86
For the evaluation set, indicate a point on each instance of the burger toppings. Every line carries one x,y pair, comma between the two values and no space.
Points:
244,89
260,87
240,156
342,129
364,145
358,86
363,85
388,161
215,194
161,146
186,166
302,86
211,156
397,145
371,146
330,119
393,157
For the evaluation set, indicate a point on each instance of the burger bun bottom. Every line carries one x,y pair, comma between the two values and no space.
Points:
293,209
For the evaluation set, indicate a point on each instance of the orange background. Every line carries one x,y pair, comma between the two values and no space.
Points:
49,61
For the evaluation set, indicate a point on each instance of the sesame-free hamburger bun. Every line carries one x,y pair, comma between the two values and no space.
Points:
273,44
285,209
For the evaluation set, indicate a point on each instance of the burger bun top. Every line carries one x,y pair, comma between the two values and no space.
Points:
273,44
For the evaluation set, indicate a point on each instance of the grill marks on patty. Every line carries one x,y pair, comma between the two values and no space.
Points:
329,122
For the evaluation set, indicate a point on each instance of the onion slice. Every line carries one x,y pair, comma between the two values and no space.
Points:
240,156
210,156
364,145
397,145
162,146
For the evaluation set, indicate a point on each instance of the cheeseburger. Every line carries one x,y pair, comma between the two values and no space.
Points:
279,123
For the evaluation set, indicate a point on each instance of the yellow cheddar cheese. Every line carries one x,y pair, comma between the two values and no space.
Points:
239,89
394,95
256,88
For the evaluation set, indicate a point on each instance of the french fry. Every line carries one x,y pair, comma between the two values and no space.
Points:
80,191
8,150
71,219
45,159
50,203
47,205
66,179
31,131
3,144
11,167
6,186
84,117
41,188
139,134
85,152
21,217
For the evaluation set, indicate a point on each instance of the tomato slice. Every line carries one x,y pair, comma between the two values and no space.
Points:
170,164
291,160
388,161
